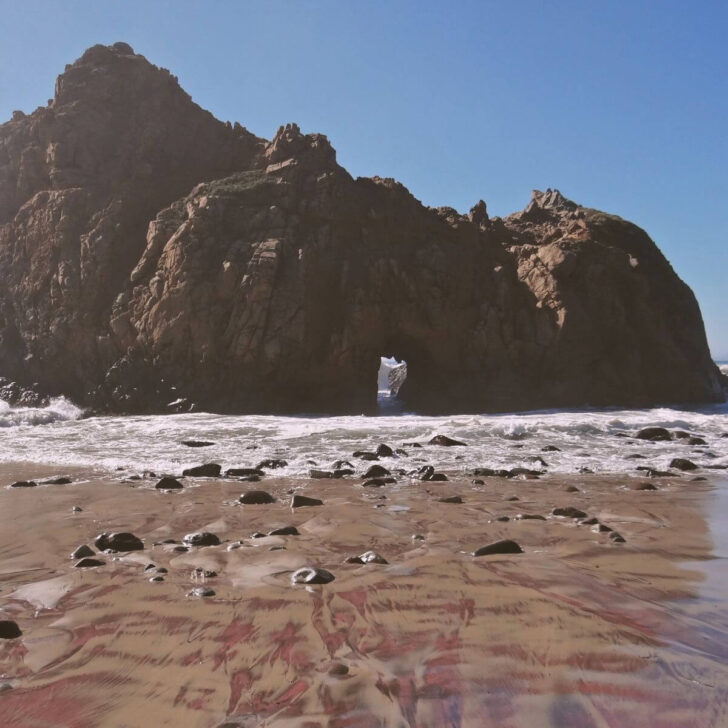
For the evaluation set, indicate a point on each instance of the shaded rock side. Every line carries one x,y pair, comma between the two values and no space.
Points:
169,256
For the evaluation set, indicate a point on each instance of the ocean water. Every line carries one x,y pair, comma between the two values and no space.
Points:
60,435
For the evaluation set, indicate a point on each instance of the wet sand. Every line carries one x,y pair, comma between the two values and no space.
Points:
577,631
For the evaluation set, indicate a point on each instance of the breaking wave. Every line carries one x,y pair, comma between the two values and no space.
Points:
59,409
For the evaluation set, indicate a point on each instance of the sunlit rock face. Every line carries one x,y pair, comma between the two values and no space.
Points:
152,254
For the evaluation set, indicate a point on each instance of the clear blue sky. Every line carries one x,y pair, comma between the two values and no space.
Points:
621,104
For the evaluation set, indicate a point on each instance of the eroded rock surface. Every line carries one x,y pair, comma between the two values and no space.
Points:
145,245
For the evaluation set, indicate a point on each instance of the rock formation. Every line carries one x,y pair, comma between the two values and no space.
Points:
152,254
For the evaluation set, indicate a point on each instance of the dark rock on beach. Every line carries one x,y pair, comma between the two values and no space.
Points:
384,451
61,480
201,538
642,486
320,474
499,547
368,557
284,531
197,443
82,551
201,592
256,498
89,563
118,542
376,471
208,470
24,484
451,499
311,575
568,512
168,483
300,501
9,630
437,477
378,482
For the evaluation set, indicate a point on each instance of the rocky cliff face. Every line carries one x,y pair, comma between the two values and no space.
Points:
152,253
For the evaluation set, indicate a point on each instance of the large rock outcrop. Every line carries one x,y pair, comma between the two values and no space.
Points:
152,253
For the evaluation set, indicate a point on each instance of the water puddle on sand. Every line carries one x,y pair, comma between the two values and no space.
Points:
576,632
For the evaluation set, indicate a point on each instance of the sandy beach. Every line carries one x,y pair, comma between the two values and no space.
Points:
577,631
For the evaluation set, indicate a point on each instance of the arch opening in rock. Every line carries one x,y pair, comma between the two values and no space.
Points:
390,378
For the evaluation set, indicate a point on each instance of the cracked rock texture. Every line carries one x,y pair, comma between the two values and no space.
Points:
152,254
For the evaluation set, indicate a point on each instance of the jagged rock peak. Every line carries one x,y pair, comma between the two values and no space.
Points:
289,142
478,214
549,200
101,70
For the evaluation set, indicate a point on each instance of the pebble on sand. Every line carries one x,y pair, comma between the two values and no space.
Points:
311,575
499,547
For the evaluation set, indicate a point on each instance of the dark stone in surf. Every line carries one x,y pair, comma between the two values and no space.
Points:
634,456
683,464
515,472
201,538
300,501
338,669
362,455
156,578
529,517
642,486
477,481
197,443
376,471
377,482
88,563
341,472
425,472
445,441
616,537
451,499
9,630
568,512
256,498
118,542
550,448
24,484
284,531
82,551
589,521
320,474
168,483
62,480
417,444
438,478
653,434
311,575
243,472
272,464
602,528
696,441
572,489
208,470
384,451
499,547
341,464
